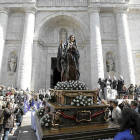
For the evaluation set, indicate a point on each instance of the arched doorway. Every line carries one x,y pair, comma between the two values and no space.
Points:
49,32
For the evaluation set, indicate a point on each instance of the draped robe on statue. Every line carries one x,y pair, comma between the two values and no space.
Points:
68,60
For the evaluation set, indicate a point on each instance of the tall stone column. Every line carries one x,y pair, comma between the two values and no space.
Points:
125,51
25,65
97,69
4,14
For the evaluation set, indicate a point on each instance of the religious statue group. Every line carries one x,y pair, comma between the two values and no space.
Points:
68,59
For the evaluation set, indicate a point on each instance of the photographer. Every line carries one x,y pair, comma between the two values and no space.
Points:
8,120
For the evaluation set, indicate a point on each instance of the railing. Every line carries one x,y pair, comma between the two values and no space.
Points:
17,1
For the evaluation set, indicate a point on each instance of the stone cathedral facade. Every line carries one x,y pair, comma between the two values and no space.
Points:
107,34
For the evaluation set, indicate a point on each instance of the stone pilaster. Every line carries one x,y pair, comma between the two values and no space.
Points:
125,51
97,69
25,65
4,14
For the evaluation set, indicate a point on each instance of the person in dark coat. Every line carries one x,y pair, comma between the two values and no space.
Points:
20,113
8,120
102,85
120,84
41,96
139,105
114,83
20,98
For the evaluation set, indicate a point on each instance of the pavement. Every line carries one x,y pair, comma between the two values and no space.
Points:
24,132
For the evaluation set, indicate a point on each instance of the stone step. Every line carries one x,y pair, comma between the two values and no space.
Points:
12,138
27,136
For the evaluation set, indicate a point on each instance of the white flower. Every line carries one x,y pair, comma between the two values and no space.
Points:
77,97
81,96
78,104
84,97
47,116
84,105
74,100
88,104
40,113
48,120
91,102
88,100
72,103
46,124
77,100
83,100
81,103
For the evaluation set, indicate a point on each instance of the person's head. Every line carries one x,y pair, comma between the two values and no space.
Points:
136,85
130,120
8,105
131,85
111,102
124,87
121,77
134,103
114,103
36,97
114,78
108,77
72,38
126,105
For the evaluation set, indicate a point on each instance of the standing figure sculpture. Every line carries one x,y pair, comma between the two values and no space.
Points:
13,64
110,63
68,60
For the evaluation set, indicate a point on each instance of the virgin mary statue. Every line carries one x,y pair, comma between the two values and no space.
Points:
68,59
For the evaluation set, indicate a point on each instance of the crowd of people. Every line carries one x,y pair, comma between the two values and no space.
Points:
14,104
120,87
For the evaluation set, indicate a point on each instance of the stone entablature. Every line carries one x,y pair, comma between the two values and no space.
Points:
17,1
64,2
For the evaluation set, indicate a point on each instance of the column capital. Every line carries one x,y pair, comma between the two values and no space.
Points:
30,10
92,9
121,10
4,10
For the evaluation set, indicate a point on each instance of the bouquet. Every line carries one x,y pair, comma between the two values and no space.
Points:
81,100
40,111
45,120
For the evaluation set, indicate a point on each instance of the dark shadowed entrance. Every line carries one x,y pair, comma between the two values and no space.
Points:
55,74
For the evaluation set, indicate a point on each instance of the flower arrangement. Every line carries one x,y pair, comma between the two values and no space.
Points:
40,111
81,100
71,85
45,120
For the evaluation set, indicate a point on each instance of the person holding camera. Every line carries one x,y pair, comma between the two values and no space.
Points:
8,120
